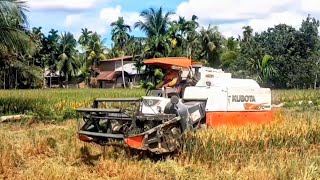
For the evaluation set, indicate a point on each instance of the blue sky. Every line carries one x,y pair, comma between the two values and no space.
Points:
229,15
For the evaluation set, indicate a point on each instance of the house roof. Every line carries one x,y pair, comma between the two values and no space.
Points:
104,76
48,73
109,75
129,69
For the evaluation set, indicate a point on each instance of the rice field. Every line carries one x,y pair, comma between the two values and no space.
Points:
288,148
60,104
54,104
294,96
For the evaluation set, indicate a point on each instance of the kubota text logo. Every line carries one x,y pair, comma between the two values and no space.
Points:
243,98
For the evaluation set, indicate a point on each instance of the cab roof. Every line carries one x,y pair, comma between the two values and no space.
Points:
170,61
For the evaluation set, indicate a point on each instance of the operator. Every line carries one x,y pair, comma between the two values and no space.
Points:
171,79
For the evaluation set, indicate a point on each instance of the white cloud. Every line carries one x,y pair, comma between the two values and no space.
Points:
99,23
259,25
78,21
229,10
231,15
174,17
232,29
73,19
63,4
289,18
310,6
262,24
111,14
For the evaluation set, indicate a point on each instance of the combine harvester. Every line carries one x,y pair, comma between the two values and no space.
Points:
156,122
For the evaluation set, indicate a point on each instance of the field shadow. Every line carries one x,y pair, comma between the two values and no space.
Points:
120,151
87,158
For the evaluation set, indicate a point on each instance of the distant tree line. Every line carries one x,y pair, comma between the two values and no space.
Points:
279,57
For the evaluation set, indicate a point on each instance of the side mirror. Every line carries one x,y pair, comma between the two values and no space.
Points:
174,100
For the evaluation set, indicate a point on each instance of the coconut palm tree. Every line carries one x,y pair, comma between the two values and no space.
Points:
158,46
247,33
155,22
13,22
192,39
95,52
156,26
68,61
183,36
84,69
53,47
230,53
84,41
90,44
120,37
135,45
85,37
14,41
181,31
52,51
211,41
119,32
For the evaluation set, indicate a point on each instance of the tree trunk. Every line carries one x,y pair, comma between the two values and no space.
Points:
92,73
4,79
316,78
16,83
315,82
123,80
9,78
44,79
50,83
67,81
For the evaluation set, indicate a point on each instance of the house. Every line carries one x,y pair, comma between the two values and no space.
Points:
53,79
110,72
57,80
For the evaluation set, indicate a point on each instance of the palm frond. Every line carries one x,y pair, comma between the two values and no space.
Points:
15,39
265,60
13,8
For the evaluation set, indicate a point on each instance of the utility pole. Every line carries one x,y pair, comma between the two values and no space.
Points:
123,80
